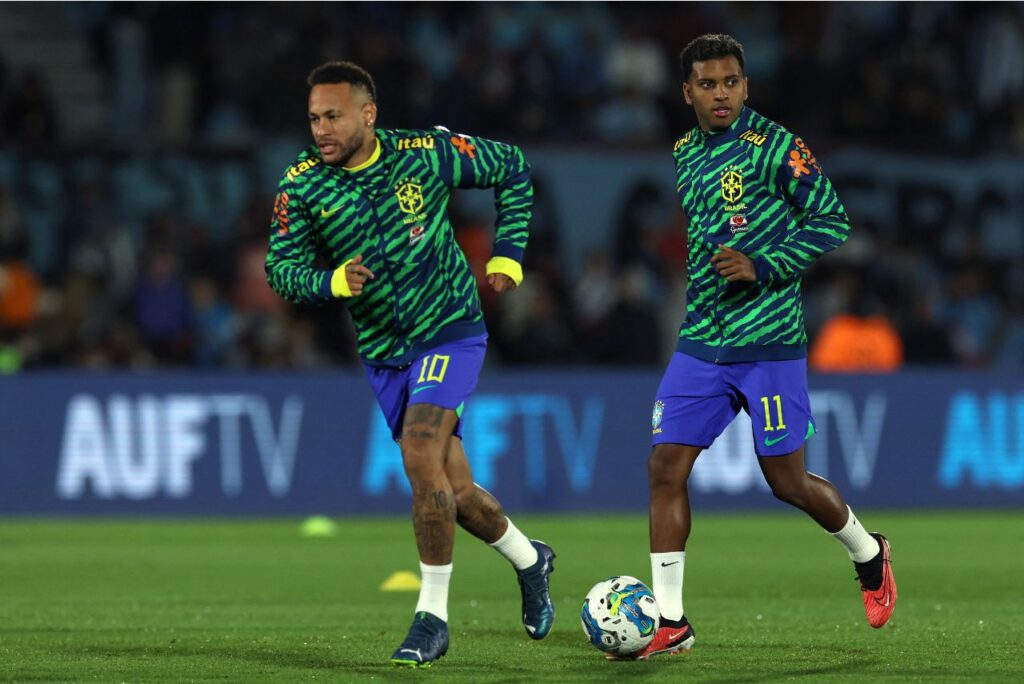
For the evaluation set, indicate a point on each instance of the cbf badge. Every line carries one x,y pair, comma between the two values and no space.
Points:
410,197
732,185
659,409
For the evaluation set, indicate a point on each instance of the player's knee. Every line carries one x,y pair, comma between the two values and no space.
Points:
793,493
421,458
464,495
662,467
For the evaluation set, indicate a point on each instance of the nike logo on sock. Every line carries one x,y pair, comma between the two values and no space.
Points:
665,565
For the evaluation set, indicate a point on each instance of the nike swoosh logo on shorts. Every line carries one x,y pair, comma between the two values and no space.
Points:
773,442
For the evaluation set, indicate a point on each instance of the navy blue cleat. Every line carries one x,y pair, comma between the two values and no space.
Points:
535,584
426,642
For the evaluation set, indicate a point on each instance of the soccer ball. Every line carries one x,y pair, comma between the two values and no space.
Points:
620,615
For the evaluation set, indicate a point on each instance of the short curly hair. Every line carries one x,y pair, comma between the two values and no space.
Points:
343,72
709,46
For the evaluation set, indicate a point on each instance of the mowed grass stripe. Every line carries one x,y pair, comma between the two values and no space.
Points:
771,596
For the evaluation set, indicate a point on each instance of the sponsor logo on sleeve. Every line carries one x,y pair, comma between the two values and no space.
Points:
462,144
753,138
281,219
422,143
800,158
299,169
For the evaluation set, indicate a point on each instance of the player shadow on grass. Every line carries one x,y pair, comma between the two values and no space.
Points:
858,666
285,657
854,660
568,658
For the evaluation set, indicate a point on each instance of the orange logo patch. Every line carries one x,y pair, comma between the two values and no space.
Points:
798,164
281,213
800,158
464,146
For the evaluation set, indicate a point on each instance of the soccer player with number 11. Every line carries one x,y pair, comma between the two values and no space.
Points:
760,212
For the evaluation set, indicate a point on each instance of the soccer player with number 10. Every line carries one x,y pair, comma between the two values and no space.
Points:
372,204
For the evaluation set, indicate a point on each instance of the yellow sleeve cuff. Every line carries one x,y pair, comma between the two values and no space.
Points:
339,283
513,269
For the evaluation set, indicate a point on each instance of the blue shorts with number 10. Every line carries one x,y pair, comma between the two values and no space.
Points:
443,376
698,399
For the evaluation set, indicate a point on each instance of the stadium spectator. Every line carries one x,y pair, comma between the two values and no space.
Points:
926,342
19,295
216,324
29,114
162,310
849,343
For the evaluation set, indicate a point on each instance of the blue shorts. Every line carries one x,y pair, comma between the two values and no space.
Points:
697,400
443,376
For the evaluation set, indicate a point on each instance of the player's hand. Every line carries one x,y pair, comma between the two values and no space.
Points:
356,274
733,266
501,282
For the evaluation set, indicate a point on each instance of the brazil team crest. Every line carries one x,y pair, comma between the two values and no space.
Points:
659,409
410,197
732,185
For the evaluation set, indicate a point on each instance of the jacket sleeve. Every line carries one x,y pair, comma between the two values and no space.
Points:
470,162
821,221
292,250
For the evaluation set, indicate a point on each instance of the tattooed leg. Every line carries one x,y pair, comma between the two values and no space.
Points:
426,434
478,512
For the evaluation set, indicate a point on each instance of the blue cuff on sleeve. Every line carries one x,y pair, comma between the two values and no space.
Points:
509,251
762,269
325,285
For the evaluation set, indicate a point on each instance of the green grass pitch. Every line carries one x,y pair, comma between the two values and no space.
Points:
772,598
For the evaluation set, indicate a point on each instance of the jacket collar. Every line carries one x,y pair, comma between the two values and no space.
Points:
742,123
370,161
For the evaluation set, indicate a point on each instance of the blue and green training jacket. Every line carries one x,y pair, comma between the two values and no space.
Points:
393,211
757,188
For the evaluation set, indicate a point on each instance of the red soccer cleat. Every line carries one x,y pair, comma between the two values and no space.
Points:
671,638
880,602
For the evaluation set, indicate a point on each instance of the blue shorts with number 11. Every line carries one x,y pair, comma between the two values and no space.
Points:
444,376
698,399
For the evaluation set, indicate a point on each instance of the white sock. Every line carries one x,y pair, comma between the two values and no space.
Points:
434,589
514,546
861,546
667,573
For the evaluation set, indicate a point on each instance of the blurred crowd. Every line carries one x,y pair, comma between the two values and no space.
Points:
905,74
913,77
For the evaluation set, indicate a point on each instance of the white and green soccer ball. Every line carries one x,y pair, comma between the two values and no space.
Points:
620,615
